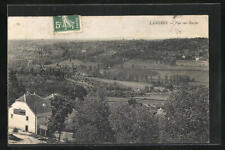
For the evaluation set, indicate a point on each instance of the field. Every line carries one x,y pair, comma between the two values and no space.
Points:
134,85
157,99
127,68
199,70
76,62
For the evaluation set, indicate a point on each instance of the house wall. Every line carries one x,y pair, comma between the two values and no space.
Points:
19,121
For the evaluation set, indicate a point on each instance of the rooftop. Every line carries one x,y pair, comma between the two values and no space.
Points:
37,104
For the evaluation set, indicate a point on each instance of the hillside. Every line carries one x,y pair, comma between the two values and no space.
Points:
107,52
133,63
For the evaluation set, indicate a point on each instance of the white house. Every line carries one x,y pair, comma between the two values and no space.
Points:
30,113
197,58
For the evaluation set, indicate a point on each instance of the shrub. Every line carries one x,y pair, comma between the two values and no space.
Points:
15,130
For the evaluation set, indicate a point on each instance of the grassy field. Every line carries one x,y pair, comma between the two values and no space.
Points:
180,65
197,70
76,62
134,85
117,101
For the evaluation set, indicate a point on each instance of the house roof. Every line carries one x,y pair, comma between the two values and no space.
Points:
52,96
36,103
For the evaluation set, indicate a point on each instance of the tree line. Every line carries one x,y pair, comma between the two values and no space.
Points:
185,119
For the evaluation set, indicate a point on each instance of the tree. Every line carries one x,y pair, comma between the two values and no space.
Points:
159,80
134,124
146,89
61,108
132,66
101,93
15,89
91,124
80,92
166,79
132,101
122,65
187,115
75,91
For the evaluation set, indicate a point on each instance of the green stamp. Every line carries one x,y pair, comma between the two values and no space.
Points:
66,23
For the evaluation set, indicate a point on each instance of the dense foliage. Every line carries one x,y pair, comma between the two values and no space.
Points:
187,116
15,88
61,108
135,124
91,124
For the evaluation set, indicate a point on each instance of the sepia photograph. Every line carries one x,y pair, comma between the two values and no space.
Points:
138,79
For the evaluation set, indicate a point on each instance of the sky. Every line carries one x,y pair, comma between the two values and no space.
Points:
112,27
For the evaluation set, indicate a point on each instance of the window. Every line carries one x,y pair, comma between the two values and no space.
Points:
19,112
11,115
27,118
26,128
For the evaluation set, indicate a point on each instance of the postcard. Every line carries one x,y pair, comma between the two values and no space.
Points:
138,79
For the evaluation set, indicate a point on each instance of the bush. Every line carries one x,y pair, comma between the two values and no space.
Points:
52,141
15,130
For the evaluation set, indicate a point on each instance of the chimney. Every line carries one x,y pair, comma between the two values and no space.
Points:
24,98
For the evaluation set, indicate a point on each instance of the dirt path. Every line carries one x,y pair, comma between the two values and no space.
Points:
27,139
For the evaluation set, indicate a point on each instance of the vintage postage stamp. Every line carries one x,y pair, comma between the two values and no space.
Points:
66,23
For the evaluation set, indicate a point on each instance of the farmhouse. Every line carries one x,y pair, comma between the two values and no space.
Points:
30,113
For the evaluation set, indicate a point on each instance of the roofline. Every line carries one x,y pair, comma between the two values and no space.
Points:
26,93
27,105
30,108
38,114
